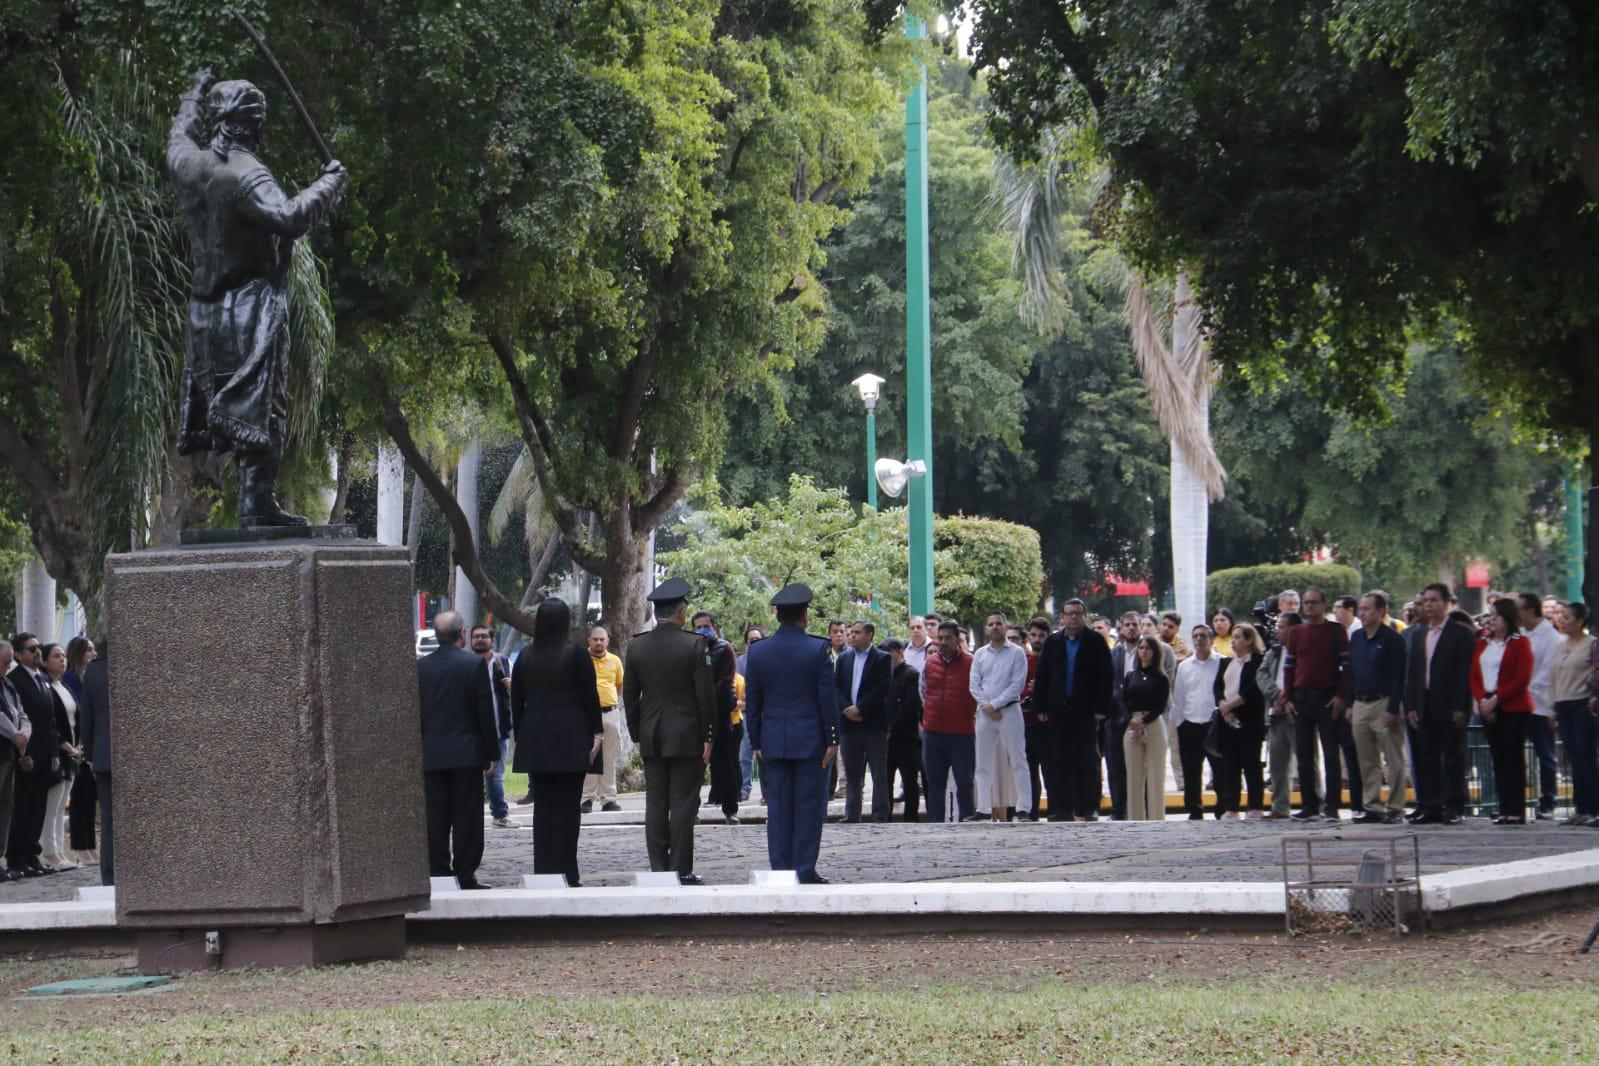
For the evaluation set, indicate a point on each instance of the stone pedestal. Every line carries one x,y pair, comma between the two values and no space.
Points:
266,748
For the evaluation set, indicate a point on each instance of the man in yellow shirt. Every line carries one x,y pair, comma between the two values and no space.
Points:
608,679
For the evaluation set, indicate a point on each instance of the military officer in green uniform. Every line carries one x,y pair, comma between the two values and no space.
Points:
671,714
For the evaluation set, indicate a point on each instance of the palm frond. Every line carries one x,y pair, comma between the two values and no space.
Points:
310,342
1031,199
520,485
126,250
1179,410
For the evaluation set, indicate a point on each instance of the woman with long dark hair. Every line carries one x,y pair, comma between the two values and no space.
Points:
555,712
1243,713
84,799
1501,675
1144,694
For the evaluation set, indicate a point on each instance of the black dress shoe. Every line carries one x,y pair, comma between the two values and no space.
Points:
1306,816
976,816
1368,818
1393,818
1426,818
692,879
732,819
473,885
1454,819
814,879
586,807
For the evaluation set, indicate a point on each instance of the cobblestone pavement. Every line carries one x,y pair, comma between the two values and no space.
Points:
899,852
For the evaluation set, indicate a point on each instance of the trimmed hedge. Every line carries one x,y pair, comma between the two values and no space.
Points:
984,564
1244,586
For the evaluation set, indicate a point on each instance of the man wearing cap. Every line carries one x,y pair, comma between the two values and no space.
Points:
791,714
671,713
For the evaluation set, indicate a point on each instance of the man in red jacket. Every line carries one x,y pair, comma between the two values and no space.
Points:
949,725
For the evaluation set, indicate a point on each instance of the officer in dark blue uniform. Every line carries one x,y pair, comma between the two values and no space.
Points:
791,715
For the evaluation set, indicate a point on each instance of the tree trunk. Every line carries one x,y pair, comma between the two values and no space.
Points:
189,487
539,571
1588,338
466,495
391,495
1540,558
36,609
343,474
1190,506
623,584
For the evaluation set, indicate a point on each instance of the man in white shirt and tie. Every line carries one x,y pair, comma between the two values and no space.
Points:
999,672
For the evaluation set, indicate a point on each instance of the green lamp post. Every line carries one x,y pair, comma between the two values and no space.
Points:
918,330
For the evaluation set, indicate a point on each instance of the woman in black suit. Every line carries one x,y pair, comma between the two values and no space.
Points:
555,711
1243,713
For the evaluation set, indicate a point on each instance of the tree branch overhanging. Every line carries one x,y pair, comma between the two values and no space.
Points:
540,441
464,553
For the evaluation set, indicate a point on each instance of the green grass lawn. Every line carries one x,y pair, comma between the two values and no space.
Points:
1155,1021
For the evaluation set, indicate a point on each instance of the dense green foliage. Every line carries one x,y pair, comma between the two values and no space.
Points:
989,565
1240,588
1271,147
737,556
1054,433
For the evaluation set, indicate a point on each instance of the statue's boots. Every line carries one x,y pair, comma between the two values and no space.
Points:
258,475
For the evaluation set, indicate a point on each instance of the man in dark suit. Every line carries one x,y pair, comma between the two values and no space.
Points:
460,744
905,726
1073,687
15,731
671,712
1438,656
791,713
37,770
862,676
94,734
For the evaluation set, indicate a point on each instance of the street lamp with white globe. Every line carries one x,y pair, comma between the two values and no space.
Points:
870,386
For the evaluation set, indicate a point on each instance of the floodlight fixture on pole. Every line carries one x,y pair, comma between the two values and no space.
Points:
892,475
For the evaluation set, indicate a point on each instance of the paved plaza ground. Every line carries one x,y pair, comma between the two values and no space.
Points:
1175,850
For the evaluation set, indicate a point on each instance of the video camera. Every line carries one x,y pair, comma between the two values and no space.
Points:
1265,613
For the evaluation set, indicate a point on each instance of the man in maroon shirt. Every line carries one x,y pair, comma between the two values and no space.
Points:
1314,665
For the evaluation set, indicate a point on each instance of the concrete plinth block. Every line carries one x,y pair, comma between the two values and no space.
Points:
774,878
443,884
544,882
656,879
97,894
321,944
271,775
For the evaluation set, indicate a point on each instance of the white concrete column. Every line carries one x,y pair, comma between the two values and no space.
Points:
36,610
391,494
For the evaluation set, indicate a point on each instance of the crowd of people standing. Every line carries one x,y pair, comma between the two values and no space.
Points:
54,757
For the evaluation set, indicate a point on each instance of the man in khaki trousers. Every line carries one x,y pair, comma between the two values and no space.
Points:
1377,676
601,787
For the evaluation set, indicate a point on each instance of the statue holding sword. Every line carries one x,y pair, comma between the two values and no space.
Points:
241,229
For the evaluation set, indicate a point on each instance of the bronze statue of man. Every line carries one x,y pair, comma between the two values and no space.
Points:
241,230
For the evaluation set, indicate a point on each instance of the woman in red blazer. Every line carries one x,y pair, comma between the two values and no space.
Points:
1501,671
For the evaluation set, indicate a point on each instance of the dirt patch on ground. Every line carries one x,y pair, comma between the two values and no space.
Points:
1532,954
